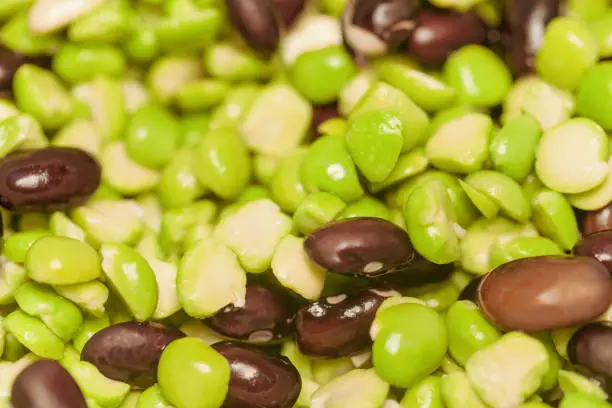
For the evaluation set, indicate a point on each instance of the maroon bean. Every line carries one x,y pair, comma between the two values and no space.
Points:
338,325
526,21
129,352
259,379
11,61
598,246
46,384
599,220
437,33
362,246
545,293
266,316
256,21
591,348
289,10
47,179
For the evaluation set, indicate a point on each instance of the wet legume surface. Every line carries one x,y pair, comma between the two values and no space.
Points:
305,204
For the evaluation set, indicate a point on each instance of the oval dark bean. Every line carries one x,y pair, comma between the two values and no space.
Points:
338,325
526,21
437,33
545,293
47,179
364,246
259,379
266,316
257,23
129,352
46,384
11,61
599,220
591,347
598,246
289,10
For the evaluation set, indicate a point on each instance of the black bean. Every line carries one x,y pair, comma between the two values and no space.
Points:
589,350
338,325
47,179
257,23
259,379
597,245
265,317
46,384
129,352
599,220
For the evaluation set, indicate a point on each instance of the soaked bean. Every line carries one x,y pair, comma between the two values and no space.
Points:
338,325
47,179
129,352
364,246
419,272
598,246
598,220
10,61
256,22
545,293
266,316
259,379
589,349
437,33
526,21
46,384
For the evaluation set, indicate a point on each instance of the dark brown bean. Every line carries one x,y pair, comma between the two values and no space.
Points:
257,23
289,10
362,246
46,384
129,352
526,21
259,379
11,61
598,246
591,348
47,179
599,220
437,33
545,293
266,316
338,325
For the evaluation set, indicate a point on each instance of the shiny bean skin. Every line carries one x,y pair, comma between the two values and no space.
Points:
338,325
256,21
598,246
545,293
53,178
364,246
129,352
526,21
266,316
46,384
599,220
437,33
590,348
259,379
11,61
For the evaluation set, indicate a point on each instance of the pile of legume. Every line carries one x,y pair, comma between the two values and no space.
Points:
306,203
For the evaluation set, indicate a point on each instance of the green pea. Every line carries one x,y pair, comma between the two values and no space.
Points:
132,277
228,61
304,367
596,198
110,221
328,167
123,173
521,247
555,218
457,392
235,107
152,397
460,278
179,186
587,10
13,349
315,210
548,104
513,147
333,126
579,400
570,381
386,97
142,45
10,7
555,361
357,388
190,31
366,206
11,277
468,331
479,76
426,394
13,132
34,335
430,223
438,296
40,93
80,63
252,193
324,371
193,375
168,74
17,245
568,45
461,145
176,223
222,163
485,204
408,165
410,343
201,94
531,186
81,134
16,35
91,325
89,296
375,139
286,186
601,29
107,24
193,128
594,97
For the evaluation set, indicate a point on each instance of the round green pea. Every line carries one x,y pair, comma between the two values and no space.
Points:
521,247
425,394
594,100
81,63
17,245
286,186
366,206
178,185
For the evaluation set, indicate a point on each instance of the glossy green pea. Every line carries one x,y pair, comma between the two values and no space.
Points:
504,191
427,91
430,222
169,73
426,394
235,106
554,217
222,163
142,45
446,115
580,400
286,186
587,10
596,198
193,375
91,325
230,62
366,206
457,392
513,147
410,343
485,204
123,173
10,7
408,165
320,75
40,93
34,335
328,167
179,185
414,120
594,97
252,193
201,94
479,76
375,139
132,277
81,63
107,24
12,276
17,36
460,278
601,29
193,31
570,381
569,49
438,296
152,397
17,245
89,296
522,247
468,331
193,128
315,210
110,221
